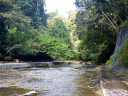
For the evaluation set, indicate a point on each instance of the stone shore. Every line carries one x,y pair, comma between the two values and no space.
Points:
111,85
35,64
24,65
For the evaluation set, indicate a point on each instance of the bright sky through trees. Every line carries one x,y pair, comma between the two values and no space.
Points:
62,6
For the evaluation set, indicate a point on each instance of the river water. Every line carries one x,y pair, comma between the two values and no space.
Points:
62,80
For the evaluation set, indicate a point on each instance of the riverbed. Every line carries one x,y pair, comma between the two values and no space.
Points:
60,80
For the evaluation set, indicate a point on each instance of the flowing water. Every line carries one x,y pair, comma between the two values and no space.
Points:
62,80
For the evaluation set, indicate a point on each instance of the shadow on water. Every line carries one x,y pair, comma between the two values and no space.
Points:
60,80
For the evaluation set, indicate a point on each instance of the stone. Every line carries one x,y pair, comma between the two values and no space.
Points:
17,61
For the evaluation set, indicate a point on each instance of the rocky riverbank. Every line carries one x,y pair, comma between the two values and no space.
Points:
9,65
112,84
24,65
37,64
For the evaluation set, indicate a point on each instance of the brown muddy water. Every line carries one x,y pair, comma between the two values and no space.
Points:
62,80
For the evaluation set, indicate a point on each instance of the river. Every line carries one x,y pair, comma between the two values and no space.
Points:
61,80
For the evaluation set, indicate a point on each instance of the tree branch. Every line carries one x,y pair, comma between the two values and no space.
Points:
109,19
10,49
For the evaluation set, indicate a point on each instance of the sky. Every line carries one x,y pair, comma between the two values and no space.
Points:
62,6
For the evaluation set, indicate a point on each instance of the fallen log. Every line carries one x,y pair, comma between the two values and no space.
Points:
31,93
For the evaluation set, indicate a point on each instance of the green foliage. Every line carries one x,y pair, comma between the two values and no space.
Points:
88,34
22,41
71,25
5,6
97,24
96,44
55,41
124,25
85,54
24,31
123,72
17,36
36,13
108,62
58,29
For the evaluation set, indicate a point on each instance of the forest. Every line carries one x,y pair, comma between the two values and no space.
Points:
89,33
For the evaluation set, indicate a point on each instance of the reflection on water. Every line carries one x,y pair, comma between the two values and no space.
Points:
55,81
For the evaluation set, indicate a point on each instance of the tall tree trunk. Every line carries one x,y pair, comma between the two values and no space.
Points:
37,7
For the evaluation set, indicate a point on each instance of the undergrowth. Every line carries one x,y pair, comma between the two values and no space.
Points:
108,63
124,25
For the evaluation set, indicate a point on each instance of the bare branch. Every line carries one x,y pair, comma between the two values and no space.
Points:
109,20
10,49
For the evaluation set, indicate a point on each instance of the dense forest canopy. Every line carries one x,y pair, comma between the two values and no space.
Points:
98,22
89,33
26,29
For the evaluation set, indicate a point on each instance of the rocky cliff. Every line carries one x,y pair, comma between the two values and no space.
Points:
115,64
